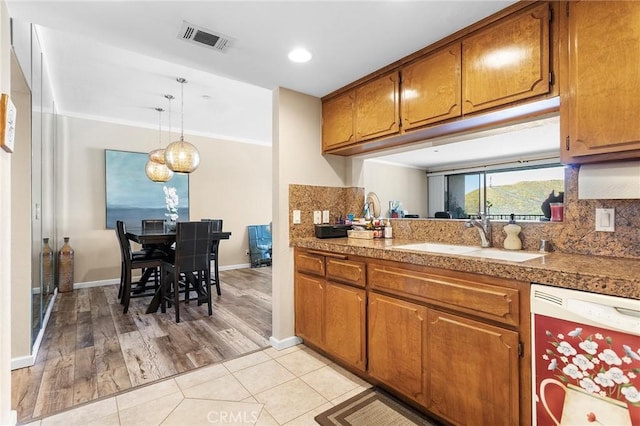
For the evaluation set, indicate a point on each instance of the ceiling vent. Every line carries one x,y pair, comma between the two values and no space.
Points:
204,37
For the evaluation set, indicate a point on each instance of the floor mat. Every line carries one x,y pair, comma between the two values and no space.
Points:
372,408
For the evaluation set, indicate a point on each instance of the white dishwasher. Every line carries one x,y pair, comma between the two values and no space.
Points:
585,358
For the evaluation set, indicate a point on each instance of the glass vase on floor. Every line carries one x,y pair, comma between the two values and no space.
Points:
47,267
65,267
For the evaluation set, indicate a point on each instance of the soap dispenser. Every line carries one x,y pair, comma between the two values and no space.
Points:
512,242
388,230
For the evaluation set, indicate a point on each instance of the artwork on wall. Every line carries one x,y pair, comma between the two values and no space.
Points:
131,196
7,123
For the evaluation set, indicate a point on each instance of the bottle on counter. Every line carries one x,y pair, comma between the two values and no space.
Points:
388,231
512,241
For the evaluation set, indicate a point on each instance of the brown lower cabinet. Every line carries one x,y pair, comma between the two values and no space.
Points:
473,371
331,315
398,345
453,344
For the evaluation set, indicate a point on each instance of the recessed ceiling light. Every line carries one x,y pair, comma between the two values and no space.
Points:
299,55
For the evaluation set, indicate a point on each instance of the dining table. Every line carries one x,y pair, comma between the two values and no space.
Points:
163,240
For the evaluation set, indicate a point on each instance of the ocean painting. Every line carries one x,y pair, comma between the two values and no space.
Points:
132,196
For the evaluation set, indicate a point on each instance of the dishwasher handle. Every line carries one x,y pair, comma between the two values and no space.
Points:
627,320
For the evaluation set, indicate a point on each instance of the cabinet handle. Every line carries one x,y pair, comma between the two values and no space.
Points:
322,253
567,143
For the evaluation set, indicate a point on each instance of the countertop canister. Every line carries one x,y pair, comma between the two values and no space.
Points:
65,267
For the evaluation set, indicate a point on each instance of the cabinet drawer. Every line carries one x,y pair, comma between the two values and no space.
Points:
346,271
464,295
310,263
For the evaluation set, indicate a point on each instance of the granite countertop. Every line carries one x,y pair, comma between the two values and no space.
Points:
597,274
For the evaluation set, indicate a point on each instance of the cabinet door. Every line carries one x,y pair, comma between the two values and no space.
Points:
337,121
309,306
601,107
345,319
431,89
483,387
397,345
378,108
507,62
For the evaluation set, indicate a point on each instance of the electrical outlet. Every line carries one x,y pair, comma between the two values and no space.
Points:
296,217
606,220
325,216
317,217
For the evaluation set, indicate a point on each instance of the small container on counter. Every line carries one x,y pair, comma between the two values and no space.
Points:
388,230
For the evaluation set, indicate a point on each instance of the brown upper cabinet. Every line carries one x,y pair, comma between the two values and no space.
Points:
369,111
507,61
377,107
431,88
600,65
498,62
338,127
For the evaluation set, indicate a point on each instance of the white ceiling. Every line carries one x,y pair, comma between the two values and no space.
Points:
114,60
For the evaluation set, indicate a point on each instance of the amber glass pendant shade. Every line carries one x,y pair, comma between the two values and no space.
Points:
158,172
182,157
157,156
155,168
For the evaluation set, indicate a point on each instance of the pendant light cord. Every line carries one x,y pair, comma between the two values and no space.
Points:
169,98
182,109
182,81
159,126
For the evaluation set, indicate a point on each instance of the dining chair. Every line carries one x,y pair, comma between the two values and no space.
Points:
216,226
152,225
191,261
131,260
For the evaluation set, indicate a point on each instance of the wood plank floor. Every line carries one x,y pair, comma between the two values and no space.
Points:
91,349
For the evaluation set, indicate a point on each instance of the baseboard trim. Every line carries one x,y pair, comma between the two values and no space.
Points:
111,281
29,360
101,283
23,361
280,344
230,267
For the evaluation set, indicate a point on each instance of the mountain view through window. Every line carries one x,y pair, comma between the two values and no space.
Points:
502,192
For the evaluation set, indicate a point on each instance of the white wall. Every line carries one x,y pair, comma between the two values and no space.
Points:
6,415
233,183
21,238
297,159
396,183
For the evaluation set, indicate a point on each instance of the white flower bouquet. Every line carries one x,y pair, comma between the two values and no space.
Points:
171,200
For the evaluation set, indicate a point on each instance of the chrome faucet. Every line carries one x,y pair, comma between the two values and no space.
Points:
483,226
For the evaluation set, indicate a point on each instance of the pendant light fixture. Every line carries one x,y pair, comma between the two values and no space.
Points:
157,155
155,171
182,156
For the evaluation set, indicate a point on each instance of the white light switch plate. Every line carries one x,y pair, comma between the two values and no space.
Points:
296,217
317,217
605,220
325,216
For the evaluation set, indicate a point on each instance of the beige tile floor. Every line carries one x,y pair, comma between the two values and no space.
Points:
269,387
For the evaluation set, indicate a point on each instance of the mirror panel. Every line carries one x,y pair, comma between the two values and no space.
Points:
36,185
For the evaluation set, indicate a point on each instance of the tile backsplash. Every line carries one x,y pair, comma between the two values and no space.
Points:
576,234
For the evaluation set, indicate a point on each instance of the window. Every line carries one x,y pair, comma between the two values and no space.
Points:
498,193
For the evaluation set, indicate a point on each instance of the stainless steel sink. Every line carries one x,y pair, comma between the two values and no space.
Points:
473,251
513,256
438,248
